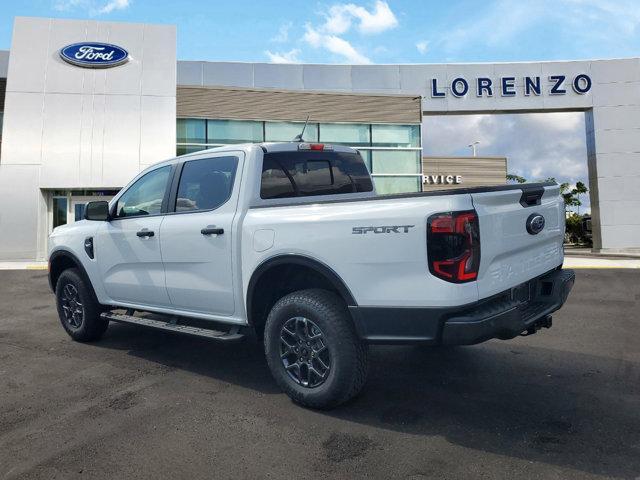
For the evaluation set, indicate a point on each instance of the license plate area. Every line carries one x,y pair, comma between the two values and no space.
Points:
522,292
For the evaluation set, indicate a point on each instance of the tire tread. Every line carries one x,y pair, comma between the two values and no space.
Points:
331,307
93,326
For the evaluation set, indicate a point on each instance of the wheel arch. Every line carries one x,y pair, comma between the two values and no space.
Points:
292,267
61,260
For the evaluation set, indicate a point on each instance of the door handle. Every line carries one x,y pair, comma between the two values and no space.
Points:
212,231
145,233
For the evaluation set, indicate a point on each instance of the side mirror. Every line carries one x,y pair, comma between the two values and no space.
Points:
98,211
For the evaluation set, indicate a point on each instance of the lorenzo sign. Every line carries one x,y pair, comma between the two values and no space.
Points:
506,86
94,55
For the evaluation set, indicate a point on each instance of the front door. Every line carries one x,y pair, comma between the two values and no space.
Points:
127,248
196,237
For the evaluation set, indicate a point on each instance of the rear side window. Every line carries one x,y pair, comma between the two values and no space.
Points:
299,174
205,184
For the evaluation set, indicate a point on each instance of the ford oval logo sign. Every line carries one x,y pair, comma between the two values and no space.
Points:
535,223
94,55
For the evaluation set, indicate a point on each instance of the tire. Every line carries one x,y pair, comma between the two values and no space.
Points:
75,295
316,312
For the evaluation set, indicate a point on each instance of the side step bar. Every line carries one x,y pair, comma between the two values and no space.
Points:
232,335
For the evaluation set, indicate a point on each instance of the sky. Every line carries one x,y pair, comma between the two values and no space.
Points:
399,31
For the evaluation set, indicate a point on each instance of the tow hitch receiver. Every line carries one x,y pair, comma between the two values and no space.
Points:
544,322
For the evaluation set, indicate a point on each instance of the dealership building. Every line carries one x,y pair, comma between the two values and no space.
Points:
85,105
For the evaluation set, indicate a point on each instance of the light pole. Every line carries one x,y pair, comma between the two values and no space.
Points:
473,147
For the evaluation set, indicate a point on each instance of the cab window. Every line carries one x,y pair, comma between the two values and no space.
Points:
205,184
299,174
145,196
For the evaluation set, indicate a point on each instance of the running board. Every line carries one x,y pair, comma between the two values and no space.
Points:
230,336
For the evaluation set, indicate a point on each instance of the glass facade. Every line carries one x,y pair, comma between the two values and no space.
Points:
353,135
59,211
391,152
234,131
400,184
287,131
395,135
192,130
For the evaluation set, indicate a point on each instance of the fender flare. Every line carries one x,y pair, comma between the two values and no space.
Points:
76,261
304,261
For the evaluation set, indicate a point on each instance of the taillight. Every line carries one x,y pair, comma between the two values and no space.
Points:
453,245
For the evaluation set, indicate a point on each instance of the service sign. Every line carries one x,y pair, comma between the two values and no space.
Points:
442,179
94,55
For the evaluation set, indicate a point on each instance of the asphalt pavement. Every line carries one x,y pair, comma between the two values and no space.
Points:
561,404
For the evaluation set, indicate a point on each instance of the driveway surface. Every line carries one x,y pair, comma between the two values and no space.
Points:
564,403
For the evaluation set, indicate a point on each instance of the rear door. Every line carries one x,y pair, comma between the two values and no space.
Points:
516,244
196,235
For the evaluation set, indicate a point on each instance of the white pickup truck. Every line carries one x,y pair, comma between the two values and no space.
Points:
289,242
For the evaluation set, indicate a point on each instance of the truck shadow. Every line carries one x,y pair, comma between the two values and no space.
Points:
551,406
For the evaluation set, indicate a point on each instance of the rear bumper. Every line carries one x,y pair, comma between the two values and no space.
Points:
524,308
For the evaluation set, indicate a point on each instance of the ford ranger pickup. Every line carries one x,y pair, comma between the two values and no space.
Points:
289,243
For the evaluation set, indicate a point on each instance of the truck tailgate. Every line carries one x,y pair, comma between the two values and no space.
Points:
510,254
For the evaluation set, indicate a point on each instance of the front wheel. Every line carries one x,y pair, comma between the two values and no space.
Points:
312,349
78,309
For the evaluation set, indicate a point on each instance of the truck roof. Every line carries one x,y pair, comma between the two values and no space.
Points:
269,147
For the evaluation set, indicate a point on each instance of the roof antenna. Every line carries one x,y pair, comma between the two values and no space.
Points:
299,136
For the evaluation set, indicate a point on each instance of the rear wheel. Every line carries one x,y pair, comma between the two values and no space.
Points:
312,349
78,309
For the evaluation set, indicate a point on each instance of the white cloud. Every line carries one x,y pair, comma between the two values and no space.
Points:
284,57
283,33
339,21
92,7
114,5
334,44
340,17
422,46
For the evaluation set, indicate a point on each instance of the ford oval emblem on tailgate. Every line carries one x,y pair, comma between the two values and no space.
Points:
535,223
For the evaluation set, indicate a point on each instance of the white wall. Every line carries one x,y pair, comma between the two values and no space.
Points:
72,127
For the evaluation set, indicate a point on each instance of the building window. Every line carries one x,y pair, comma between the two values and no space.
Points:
192,130
351,134
234,131
391,152
402,184
184,149
287,131
59,211
395,135
395,161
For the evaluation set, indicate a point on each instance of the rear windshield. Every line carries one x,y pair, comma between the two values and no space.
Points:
300,174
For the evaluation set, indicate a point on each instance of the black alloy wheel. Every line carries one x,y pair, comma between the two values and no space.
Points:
304,352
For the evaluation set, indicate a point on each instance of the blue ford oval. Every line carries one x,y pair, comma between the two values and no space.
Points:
94,55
